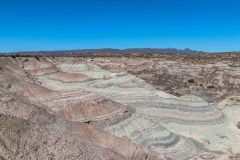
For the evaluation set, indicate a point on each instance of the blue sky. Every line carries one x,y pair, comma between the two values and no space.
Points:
208,25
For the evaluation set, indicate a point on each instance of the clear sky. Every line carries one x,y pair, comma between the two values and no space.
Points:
208,25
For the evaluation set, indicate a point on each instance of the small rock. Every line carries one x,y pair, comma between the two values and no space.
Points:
177,94
37,58
25,60
211,87
6,85
238,125
191,81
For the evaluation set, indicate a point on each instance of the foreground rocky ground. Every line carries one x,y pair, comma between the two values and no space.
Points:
119,108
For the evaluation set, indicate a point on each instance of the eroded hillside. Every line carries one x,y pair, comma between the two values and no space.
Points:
118,108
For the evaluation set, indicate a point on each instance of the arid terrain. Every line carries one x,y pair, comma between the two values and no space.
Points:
168,107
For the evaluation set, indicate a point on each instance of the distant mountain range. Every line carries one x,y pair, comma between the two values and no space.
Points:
110,51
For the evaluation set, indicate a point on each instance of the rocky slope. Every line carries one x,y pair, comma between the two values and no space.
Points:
118,108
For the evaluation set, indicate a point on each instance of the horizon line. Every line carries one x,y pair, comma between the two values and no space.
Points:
120,49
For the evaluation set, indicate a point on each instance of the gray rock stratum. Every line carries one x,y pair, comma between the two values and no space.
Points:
118,108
